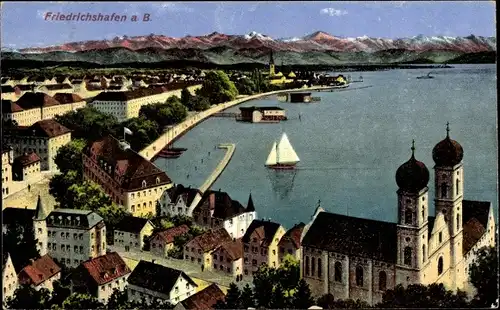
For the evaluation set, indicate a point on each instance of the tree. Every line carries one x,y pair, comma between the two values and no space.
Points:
164,114
422,296
326,301
86,196
218,88
200,103
19,241
119,301
302,298
69,156
26,297
278,299
232,299
82,301
173,99
144,131
247,300
59,184
88,123
245,86
60,293
288,274
186,98
483,275
263,282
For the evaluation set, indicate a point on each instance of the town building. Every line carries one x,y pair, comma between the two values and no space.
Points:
52,89
40,273
34,107
128,178
217,209
199,250
7,161
44,138
360,259
152,281
163,241
260,245
71,236
202,300
262,114
177,200
131,232
290,243
9,277
228,258
101,276
276,78
26,167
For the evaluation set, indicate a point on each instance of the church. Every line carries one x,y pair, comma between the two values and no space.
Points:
274,77
355,258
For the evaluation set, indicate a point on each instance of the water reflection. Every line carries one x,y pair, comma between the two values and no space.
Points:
281,182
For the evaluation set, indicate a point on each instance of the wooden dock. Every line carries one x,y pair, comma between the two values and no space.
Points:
230,148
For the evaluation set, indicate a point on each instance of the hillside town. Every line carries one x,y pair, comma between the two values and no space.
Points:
89,220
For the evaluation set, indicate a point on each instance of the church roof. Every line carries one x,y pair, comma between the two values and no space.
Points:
447,152
353,236
475,222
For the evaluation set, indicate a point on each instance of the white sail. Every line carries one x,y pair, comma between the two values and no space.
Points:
286,154
272,158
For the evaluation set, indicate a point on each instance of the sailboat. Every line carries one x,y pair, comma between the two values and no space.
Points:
428,76
282,155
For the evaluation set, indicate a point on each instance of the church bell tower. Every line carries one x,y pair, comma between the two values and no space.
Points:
272,69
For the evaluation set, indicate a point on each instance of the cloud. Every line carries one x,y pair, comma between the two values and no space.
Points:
332,12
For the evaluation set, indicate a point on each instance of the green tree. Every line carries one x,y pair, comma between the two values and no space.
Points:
19,241
88,123
233,296
218,88
483,275
82,301
245,86
302,298
278,299
59,184
326,301
422,296
144,131
173,99
186,98
288,274
200,103
26,297
86,196
165,114
247,297
264,282
60,293
119,301
69,156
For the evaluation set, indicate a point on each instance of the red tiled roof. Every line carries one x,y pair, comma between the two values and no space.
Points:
204,299
46,128
169,234
294,234
27,159
211,239
233,248
36,100
10,107
57,86
39,271
127,163
64,98
473,231
106,268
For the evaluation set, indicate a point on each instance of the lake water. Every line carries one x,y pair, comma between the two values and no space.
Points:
351,144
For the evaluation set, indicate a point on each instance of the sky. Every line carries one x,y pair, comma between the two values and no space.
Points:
24,24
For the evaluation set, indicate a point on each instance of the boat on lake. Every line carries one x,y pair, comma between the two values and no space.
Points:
428,76
282,155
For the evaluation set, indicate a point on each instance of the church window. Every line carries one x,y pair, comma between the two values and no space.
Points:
144,185
440,266
307,265
359,276
407,256
408,216
444,190
319,268
458,186
458,221
382,281
423,253
423,213
423,198
338,272
157,180
313,266
440,237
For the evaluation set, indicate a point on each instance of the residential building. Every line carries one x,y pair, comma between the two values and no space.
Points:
290,243
52,89
33,107
9,277
217,209
40,273
360,259
44,138
7,161
41,80
72,236
128,178
8,93
260,245
101,276
202,300
26,167
131,232
199,249
152,281
163,241
228,258
177,200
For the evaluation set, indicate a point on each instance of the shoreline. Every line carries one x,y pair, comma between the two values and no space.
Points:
177,131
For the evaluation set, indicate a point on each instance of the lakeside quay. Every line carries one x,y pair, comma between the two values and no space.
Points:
176,131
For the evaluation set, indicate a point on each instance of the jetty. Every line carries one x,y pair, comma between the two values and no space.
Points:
230,148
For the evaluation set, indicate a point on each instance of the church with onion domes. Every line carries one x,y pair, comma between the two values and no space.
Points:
356,258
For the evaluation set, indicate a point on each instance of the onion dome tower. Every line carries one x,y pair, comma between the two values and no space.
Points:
448,152
413,175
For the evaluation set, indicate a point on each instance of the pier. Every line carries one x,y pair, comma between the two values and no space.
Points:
230,148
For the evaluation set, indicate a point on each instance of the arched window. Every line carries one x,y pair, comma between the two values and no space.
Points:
313,266
307,265
444,190
319,268
440,265
458,221
423,253
457,186
359,276
157,180
408,216
143,183
382,281
407,256
338,272
423,213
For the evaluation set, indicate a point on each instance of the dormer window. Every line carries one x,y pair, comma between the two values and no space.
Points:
157,180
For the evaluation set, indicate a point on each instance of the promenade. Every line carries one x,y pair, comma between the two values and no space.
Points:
191,269
175,131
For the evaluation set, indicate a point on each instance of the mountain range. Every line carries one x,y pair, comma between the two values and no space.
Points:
217,48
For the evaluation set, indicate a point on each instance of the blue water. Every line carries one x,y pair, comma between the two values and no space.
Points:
351,144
